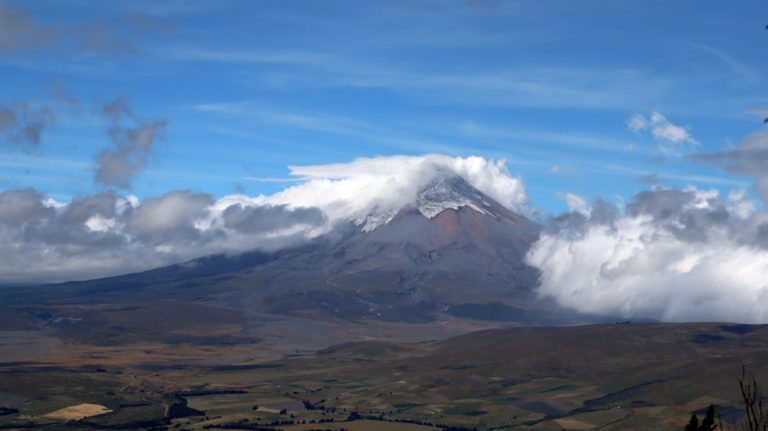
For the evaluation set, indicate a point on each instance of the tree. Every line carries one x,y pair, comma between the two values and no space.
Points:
756,417
755,413
693,424
708,424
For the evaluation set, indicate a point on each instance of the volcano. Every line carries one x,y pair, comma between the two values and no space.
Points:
454,253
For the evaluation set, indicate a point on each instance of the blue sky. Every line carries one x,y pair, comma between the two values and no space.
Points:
248,88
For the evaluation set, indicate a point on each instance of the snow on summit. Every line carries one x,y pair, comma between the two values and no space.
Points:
370,191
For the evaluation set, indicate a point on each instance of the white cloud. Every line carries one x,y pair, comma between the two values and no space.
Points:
577,204
386,184
637,123
663,129
671,138
104,234
676,255
101,235
740,205
156,215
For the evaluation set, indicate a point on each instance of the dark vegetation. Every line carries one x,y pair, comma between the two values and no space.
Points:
8,411
179,408
754,416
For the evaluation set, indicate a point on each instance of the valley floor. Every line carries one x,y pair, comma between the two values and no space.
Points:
623,376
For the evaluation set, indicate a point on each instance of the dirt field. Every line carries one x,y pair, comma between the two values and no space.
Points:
78,411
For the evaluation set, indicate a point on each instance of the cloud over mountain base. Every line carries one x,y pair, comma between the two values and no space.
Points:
107,234
674,255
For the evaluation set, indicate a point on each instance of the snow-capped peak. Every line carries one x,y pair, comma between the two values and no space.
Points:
444,192
450,192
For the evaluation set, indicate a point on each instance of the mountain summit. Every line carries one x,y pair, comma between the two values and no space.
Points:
452,192
446,191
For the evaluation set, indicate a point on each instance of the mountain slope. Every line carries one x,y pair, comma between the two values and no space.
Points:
454,253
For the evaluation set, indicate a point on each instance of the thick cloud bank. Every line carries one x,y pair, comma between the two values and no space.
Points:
42,240
107,234
671,255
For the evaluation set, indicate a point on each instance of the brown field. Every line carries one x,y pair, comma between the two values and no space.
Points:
361,425
612,377
78,411
573,424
